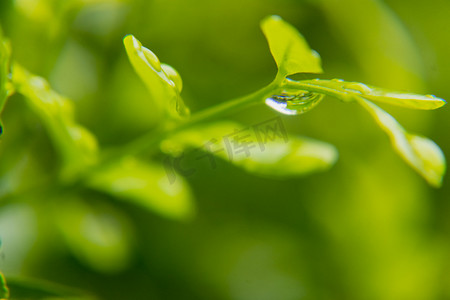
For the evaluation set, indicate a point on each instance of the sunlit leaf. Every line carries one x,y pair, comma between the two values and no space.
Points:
146,185
408,100
163,82
419,152
403,99
97,235
4,291
264,149
42,290
77,146
289,49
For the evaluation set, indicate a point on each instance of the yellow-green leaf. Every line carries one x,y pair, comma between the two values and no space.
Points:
403,99
264,149
420,153
76,145
97,235
144,184
289,48
346,90
162,81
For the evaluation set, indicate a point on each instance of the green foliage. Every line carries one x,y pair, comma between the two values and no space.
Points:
5,87
280,158
99,235
76,145
144,184
421,153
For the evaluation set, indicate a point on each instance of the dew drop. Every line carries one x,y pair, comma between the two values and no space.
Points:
430,96
294,104
40,83
152,59
173,76
360,88
337,80
136,43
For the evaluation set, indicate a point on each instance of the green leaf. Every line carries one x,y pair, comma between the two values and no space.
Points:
5,85
4,291
76,145
289,48
97,235
144,184
163,82
420,153
271,152
402,99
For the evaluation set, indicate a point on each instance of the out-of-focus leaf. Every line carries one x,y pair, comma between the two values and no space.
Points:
289,49
378,41
403,99
5,86
144,184
5,53
162,81
97,236
419,152
264,149
42,290
77,146
4,291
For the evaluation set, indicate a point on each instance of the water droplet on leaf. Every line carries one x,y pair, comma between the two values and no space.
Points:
294,104
337,80
173,76
152,59
136,43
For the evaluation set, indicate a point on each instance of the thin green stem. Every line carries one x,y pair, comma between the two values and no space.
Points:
315,86
153,138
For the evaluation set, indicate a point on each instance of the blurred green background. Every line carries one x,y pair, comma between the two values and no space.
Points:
370,228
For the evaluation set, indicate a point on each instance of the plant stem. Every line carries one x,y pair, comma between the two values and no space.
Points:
153,138
317,86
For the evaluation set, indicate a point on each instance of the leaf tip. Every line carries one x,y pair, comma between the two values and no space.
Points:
270,18
131,43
